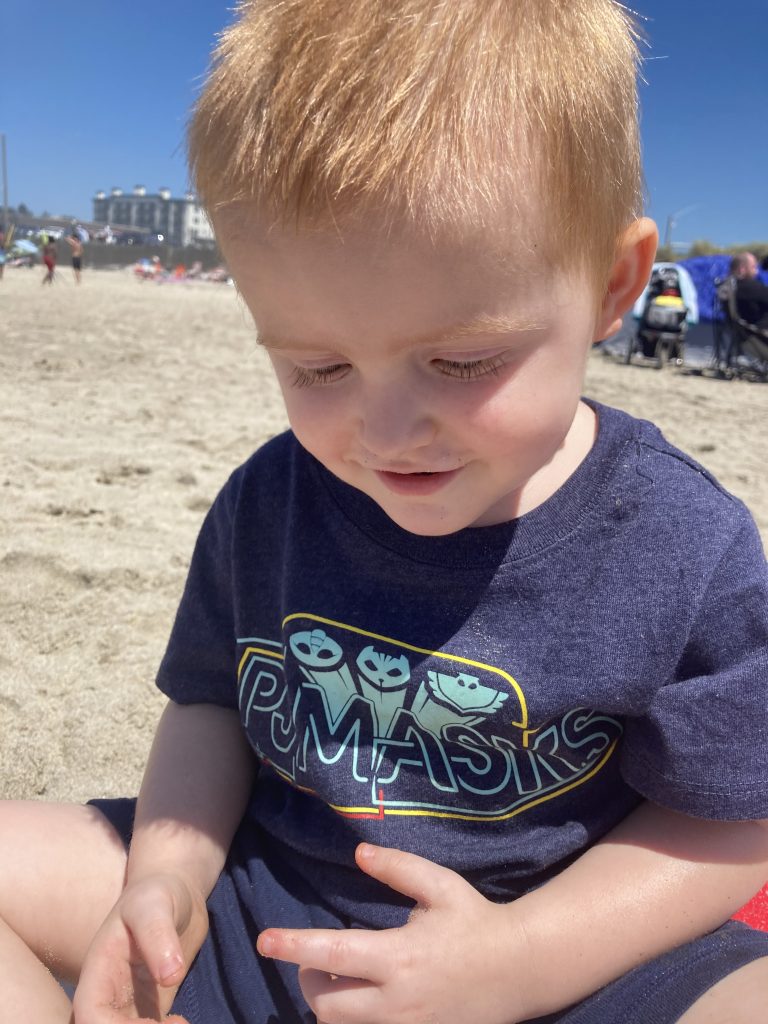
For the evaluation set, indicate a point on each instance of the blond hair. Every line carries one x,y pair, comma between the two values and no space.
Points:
442,110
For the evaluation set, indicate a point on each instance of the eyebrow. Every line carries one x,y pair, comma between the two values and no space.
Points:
483,324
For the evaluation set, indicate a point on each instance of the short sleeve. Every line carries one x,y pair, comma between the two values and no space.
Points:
702,746
199,665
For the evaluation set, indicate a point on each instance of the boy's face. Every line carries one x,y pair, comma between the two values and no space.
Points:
442,384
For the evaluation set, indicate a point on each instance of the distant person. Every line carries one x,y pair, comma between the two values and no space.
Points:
50,256
76,245
751,293
2,252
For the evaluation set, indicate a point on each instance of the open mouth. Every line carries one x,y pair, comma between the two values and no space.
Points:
425,481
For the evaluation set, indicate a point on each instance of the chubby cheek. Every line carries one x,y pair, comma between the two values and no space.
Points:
317,422
529,417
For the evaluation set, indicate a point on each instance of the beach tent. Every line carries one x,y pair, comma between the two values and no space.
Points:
705,271
687,288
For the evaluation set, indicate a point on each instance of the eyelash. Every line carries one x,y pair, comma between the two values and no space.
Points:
468,369
304,378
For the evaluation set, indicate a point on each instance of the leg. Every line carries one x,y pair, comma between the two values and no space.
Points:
61,871
739,998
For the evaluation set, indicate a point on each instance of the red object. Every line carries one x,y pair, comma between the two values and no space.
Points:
755,913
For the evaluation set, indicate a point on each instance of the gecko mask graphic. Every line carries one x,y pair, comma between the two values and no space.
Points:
405,729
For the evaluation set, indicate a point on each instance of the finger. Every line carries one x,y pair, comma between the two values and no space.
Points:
111,1004
420,879
333,998
345,952
151,920
105,989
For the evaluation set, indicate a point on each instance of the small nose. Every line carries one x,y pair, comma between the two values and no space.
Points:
394,421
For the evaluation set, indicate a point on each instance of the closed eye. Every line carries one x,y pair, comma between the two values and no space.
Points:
466,369
304,377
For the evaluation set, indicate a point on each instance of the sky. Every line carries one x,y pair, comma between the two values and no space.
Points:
96,94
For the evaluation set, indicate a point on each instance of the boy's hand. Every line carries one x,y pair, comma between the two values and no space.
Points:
459,959
142,952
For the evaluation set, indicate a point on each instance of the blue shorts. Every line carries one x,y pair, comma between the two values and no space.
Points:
230,984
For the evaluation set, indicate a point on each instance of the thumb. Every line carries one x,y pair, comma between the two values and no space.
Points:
420,879
174,1019
151,918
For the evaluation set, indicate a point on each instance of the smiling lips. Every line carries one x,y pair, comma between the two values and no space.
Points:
415,483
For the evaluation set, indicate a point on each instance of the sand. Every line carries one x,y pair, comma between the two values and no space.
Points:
123,409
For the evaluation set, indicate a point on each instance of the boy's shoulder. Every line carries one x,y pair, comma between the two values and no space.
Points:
682,474
671,490
268,472
270,459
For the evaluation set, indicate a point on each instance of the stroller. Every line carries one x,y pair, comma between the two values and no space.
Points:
663,319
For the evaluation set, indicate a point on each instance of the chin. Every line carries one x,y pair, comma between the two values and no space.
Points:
427,525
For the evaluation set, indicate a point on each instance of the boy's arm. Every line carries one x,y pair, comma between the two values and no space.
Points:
656,881
193,794
195,790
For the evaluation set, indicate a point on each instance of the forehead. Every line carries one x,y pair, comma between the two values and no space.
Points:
314,285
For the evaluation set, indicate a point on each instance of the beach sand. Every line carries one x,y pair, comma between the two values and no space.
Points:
123,409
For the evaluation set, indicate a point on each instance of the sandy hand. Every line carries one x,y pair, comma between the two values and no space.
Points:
142,952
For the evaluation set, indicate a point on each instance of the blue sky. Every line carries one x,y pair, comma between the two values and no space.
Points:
96,93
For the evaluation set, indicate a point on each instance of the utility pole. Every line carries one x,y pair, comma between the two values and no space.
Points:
5,184
672,222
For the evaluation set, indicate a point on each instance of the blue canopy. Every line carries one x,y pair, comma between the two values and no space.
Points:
704,271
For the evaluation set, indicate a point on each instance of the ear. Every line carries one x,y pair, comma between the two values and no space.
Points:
629,275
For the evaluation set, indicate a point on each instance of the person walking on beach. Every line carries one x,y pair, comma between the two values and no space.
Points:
76,245
50,255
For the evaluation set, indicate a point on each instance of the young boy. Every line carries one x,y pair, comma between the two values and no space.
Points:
467,686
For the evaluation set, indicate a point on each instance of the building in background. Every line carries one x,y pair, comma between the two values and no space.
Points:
180,221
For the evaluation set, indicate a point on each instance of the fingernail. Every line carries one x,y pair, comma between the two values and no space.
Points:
265,945
365,851
170,967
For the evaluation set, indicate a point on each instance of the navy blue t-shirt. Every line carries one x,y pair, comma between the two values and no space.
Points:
495,700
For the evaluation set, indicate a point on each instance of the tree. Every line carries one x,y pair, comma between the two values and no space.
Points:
703,247
760,249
